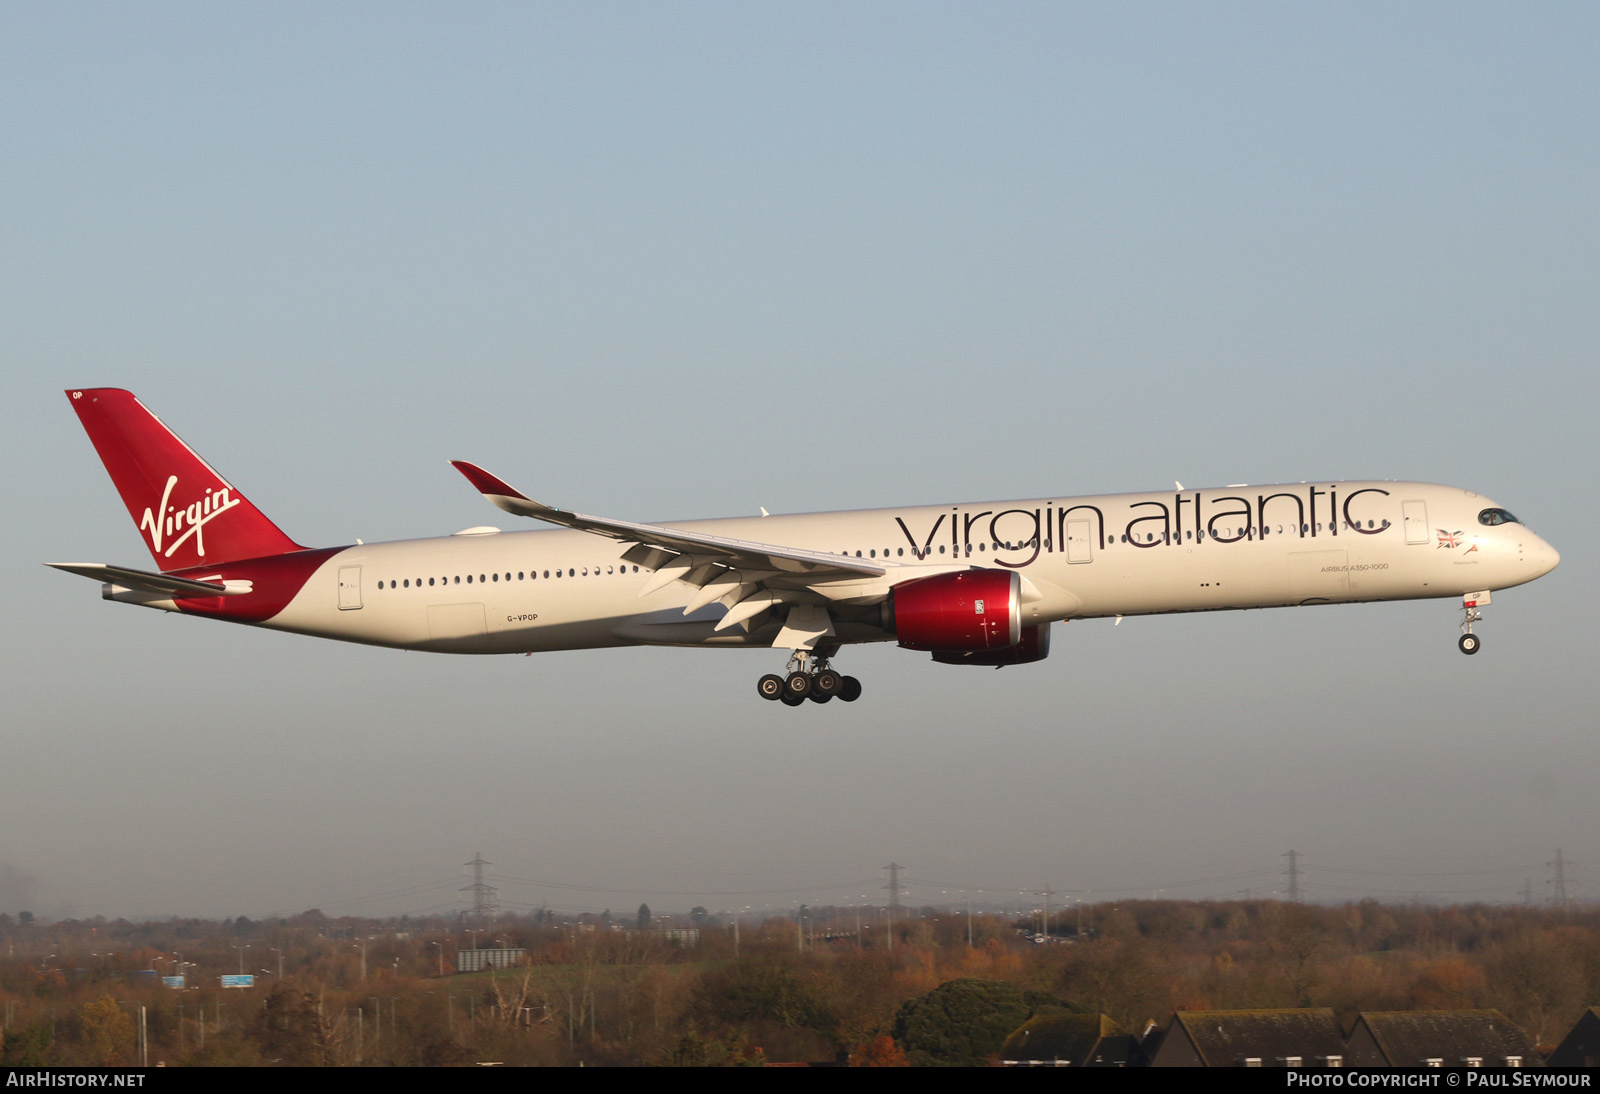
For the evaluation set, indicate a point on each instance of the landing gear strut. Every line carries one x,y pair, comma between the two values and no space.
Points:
1469,642
809,678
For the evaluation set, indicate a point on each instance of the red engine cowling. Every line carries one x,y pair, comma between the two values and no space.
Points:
1035,646
970,611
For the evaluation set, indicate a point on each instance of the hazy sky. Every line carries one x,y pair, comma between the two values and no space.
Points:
666,261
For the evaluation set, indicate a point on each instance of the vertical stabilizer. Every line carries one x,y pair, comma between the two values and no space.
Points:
187,513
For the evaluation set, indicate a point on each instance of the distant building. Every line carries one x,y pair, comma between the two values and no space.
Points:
501,957
1068,1040
1249,1038
1439,1038
686,937
1581,1047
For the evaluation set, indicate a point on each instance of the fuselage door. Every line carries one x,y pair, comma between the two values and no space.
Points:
1416,520
1079,548
349,588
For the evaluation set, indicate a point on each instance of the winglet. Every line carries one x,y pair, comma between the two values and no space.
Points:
505,496
487,483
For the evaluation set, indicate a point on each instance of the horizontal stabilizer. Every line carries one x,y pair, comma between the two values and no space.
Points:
145,581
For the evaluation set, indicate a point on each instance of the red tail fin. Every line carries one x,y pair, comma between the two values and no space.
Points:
188,514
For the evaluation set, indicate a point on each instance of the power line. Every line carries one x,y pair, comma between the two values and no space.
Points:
483,894
1294,874
1559,882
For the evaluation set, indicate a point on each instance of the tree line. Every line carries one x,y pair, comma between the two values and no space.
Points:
823,985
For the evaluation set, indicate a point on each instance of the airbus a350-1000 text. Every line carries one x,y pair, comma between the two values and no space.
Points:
972,584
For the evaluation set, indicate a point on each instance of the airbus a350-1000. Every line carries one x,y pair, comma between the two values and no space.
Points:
972,584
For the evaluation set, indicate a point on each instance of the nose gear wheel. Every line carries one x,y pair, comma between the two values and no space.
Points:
1470,643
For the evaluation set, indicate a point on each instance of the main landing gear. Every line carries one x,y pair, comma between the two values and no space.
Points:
1469,642
809,678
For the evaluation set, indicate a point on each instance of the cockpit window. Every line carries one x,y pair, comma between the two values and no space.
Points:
1492,517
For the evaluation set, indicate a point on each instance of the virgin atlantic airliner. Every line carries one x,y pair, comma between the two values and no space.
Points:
971,583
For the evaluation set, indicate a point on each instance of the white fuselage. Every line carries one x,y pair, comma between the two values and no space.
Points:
1125,554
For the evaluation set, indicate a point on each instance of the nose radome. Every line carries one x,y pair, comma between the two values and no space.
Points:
1545,557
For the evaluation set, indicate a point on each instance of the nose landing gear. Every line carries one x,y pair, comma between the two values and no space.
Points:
1470,603
809,678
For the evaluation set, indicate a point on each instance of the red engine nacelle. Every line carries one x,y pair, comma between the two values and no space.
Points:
966,612
1035,646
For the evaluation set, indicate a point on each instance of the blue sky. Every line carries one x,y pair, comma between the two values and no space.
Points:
673,261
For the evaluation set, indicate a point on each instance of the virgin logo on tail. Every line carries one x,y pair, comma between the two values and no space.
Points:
168,520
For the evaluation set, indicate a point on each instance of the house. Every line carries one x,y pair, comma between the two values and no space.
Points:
1250,1038
1439,1038
1067,1040
1580,1047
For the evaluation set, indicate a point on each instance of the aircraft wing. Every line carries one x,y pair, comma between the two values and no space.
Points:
747,578
734,552
145,581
